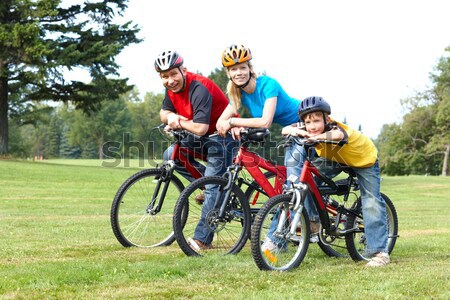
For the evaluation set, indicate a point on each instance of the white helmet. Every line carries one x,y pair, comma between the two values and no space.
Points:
168,60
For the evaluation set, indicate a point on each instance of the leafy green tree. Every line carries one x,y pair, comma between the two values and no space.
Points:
219,76
421,143
40,41
145,117
97,128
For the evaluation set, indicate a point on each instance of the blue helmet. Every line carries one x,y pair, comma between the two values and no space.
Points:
311,104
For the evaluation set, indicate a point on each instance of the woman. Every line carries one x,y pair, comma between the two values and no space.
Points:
267,102
263,96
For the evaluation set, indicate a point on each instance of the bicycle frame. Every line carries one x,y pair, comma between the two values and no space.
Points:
253,163
179,154
329,187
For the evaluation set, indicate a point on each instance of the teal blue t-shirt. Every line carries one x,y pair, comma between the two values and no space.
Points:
286,111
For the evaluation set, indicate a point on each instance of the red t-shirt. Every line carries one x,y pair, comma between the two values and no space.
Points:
201,101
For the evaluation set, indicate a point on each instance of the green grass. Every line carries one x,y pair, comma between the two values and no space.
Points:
57,243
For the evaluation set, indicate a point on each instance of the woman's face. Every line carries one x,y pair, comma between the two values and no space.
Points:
239,73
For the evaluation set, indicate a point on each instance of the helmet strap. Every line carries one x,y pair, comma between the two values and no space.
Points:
184,81
245,84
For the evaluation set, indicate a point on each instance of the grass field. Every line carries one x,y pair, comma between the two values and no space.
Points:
57,243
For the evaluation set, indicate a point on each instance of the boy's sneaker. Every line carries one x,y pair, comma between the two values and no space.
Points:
268,245
380,259
314,226
314,238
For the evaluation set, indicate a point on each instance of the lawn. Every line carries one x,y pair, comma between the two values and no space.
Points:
57,243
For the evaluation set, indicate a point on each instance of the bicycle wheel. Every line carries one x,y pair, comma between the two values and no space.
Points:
356,242
256,196
335,246
229,232
287,251
133,222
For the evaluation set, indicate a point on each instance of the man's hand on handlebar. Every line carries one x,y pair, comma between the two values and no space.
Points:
173,121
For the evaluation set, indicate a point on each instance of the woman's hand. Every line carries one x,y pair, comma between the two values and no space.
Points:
223,126
236,133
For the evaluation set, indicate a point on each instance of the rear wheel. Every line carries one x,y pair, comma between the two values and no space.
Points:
133,218
286,251
229,233
356,242
331,245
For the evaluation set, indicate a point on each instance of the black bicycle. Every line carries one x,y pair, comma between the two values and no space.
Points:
142,209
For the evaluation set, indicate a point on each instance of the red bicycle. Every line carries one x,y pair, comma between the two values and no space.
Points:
231,220
142,209
339,224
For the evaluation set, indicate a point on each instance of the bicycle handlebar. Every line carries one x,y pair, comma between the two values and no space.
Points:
312,141
179,134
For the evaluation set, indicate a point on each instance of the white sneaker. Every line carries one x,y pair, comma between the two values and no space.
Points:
314,238
380,259
268,245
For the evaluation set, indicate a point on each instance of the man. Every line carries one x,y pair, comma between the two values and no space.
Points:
194,103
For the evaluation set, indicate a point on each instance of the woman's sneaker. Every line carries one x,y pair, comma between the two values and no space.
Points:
380,259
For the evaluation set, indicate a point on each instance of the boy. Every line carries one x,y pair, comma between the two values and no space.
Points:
359,153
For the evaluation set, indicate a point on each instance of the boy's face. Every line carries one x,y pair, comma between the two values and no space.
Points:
314,123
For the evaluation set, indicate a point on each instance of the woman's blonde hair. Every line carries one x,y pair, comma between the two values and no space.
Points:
234,92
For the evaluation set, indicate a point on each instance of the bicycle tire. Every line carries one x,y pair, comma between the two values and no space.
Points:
289,252
230,235
356,242
131,223
334,246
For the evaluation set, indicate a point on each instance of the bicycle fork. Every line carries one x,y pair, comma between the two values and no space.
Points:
223,196
299,192
166,174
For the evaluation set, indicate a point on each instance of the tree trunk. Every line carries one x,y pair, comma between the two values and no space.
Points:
3,109
100,148
445,164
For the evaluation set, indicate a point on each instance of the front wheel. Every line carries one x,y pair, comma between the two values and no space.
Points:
274,247
356,242
134,220
197,218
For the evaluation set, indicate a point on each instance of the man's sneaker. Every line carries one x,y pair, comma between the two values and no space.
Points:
198,245
200,198
380,259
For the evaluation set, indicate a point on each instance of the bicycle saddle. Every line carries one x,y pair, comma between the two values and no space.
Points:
255,134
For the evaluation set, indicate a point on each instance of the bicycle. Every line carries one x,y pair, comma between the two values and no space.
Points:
264,185
141,212
337,221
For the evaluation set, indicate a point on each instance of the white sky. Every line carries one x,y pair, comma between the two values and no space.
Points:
361,56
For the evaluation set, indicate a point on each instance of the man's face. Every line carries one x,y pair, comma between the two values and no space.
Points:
173,79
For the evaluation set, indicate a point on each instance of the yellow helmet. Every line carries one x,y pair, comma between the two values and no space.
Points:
234,55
